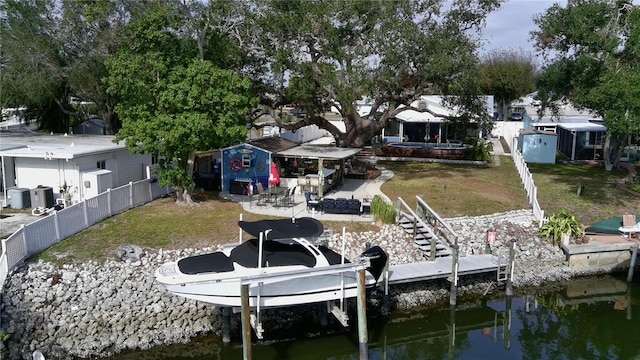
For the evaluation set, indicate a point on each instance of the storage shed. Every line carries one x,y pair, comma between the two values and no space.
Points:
249,163
538,146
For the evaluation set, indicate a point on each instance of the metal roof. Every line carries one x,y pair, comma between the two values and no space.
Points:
273,144
585,126
55,146
318,152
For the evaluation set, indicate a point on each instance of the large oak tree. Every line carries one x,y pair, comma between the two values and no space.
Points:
593,47
323,54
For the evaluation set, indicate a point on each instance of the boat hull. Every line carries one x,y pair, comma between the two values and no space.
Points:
272,293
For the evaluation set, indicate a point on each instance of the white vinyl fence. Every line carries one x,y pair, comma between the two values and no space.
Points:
527,181
33,238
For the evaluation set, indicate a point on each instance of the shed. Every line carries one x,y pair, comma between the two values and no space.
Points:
66,163
538,146
250,163
93,126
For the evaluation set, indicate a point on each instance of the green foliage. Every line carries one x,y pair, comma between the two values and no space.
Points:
507,75
594,48
479,150
382,210
177,104
326,50
560,223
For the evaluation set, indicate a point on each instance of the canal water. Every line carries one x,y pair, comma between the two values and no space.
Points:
591,318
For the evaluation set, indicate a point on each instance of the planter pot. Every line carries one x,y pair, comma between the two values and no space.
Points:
578,241
585,240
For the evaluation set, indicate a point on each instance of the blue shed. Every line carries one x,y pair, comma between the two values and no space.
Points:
538,146
249,163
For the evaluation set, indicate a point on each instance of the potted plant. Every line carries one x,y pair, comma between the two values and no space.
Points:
562,223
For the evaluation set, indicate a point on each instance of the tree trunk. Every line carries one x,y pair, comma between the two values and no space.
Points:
606,153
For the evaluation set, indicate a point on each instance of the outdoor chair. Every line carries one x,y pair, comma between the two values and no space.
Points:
311,203
291,198
630,227
260,195
284,199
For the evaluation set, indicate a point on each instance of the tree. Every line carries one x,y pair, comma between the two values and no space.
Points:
172,103
334,53
507,75
54,50
594,52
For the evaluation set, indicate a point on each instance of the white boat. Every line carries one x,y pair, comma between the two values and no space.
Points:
282,267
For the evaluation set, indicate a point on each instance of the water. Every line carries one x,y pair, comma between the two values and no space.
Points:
595,318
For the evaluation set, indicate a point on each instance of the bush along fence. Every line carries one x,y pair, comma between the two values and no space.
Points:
527,181
33,238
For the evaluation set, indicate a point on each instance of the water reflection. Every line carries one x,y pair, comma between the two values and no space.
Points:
589,319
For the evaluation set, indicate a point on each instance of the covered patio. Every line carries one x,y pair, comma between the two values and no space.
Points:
318,169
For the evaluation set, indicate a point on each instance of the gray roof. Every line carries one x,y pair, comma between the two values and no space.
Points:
55,146
318,152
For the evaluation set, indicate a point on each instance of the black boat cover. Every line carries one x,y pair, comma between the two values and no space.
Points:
305,227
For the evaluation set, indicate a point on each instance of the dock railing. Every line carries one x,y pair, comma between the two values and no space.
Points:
527,181
437,223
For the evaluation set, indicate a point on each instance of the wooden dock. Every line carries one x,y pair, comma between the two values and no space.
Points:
441,268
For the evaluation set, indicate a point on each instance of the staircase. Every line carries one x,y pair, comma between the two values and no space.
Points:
424,238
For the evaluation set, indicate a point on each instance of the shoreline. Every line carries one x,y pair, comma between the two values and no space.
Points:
92,310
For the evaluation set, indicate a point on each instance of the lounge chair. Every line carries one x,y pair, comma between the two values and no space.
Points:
630,227
311,203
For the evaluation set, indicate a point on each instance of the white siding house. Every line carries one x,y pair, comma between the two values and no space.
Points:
83,164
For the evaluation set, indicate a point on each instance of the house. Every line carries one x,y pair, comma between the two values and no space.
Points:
425,126
81,166
93,126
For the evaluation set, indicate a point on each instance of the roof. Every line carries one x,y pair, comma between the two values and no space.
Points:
55,146
433,103
272,144
319,152
585,126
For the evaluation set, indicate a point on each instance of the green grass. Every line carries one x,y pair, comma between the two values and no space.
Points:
451,190
558,189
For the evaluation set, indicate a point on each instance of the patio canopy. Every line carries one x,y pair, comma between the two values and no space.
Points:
318,152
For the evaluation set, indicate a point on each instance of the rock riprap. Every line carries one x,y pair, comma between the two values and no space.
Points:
94,310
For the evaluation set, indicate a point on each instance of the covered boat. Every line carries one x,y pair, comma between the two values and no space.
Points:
292,269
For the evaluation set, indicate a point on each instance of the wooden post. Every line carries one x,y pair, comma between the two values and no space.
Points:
632,265
246,323
226,325
454,276
512,259
385,297
363,337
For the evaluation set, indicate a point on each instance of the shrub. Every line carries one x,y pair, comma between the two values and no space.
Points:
382,210
560,223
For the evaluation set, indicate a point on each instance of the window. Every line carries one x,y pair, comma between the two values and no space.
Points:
101,164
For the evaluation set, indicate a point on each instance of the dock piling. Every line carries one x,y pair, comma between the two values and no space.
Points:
512,260
454,276
246,323
363,337
632,265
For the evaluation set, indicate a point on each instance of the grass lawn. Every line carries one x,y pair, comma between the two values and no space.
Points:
601,199
451,190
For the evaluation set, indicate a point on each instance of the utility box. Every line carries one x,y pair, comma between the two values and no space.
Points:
18,198
96,182
42,196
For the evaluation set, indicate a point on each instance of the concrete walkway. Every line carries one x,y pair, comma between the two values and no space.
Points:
358,189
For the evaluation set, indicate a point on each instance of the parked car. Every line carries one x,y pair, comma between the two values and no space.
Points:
516,116
299,113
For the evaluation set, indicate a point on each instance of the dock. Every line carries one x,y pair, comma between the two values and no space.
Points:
441,268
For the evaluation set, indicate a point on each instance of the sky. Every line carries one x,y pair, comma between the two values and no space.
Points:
509,26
